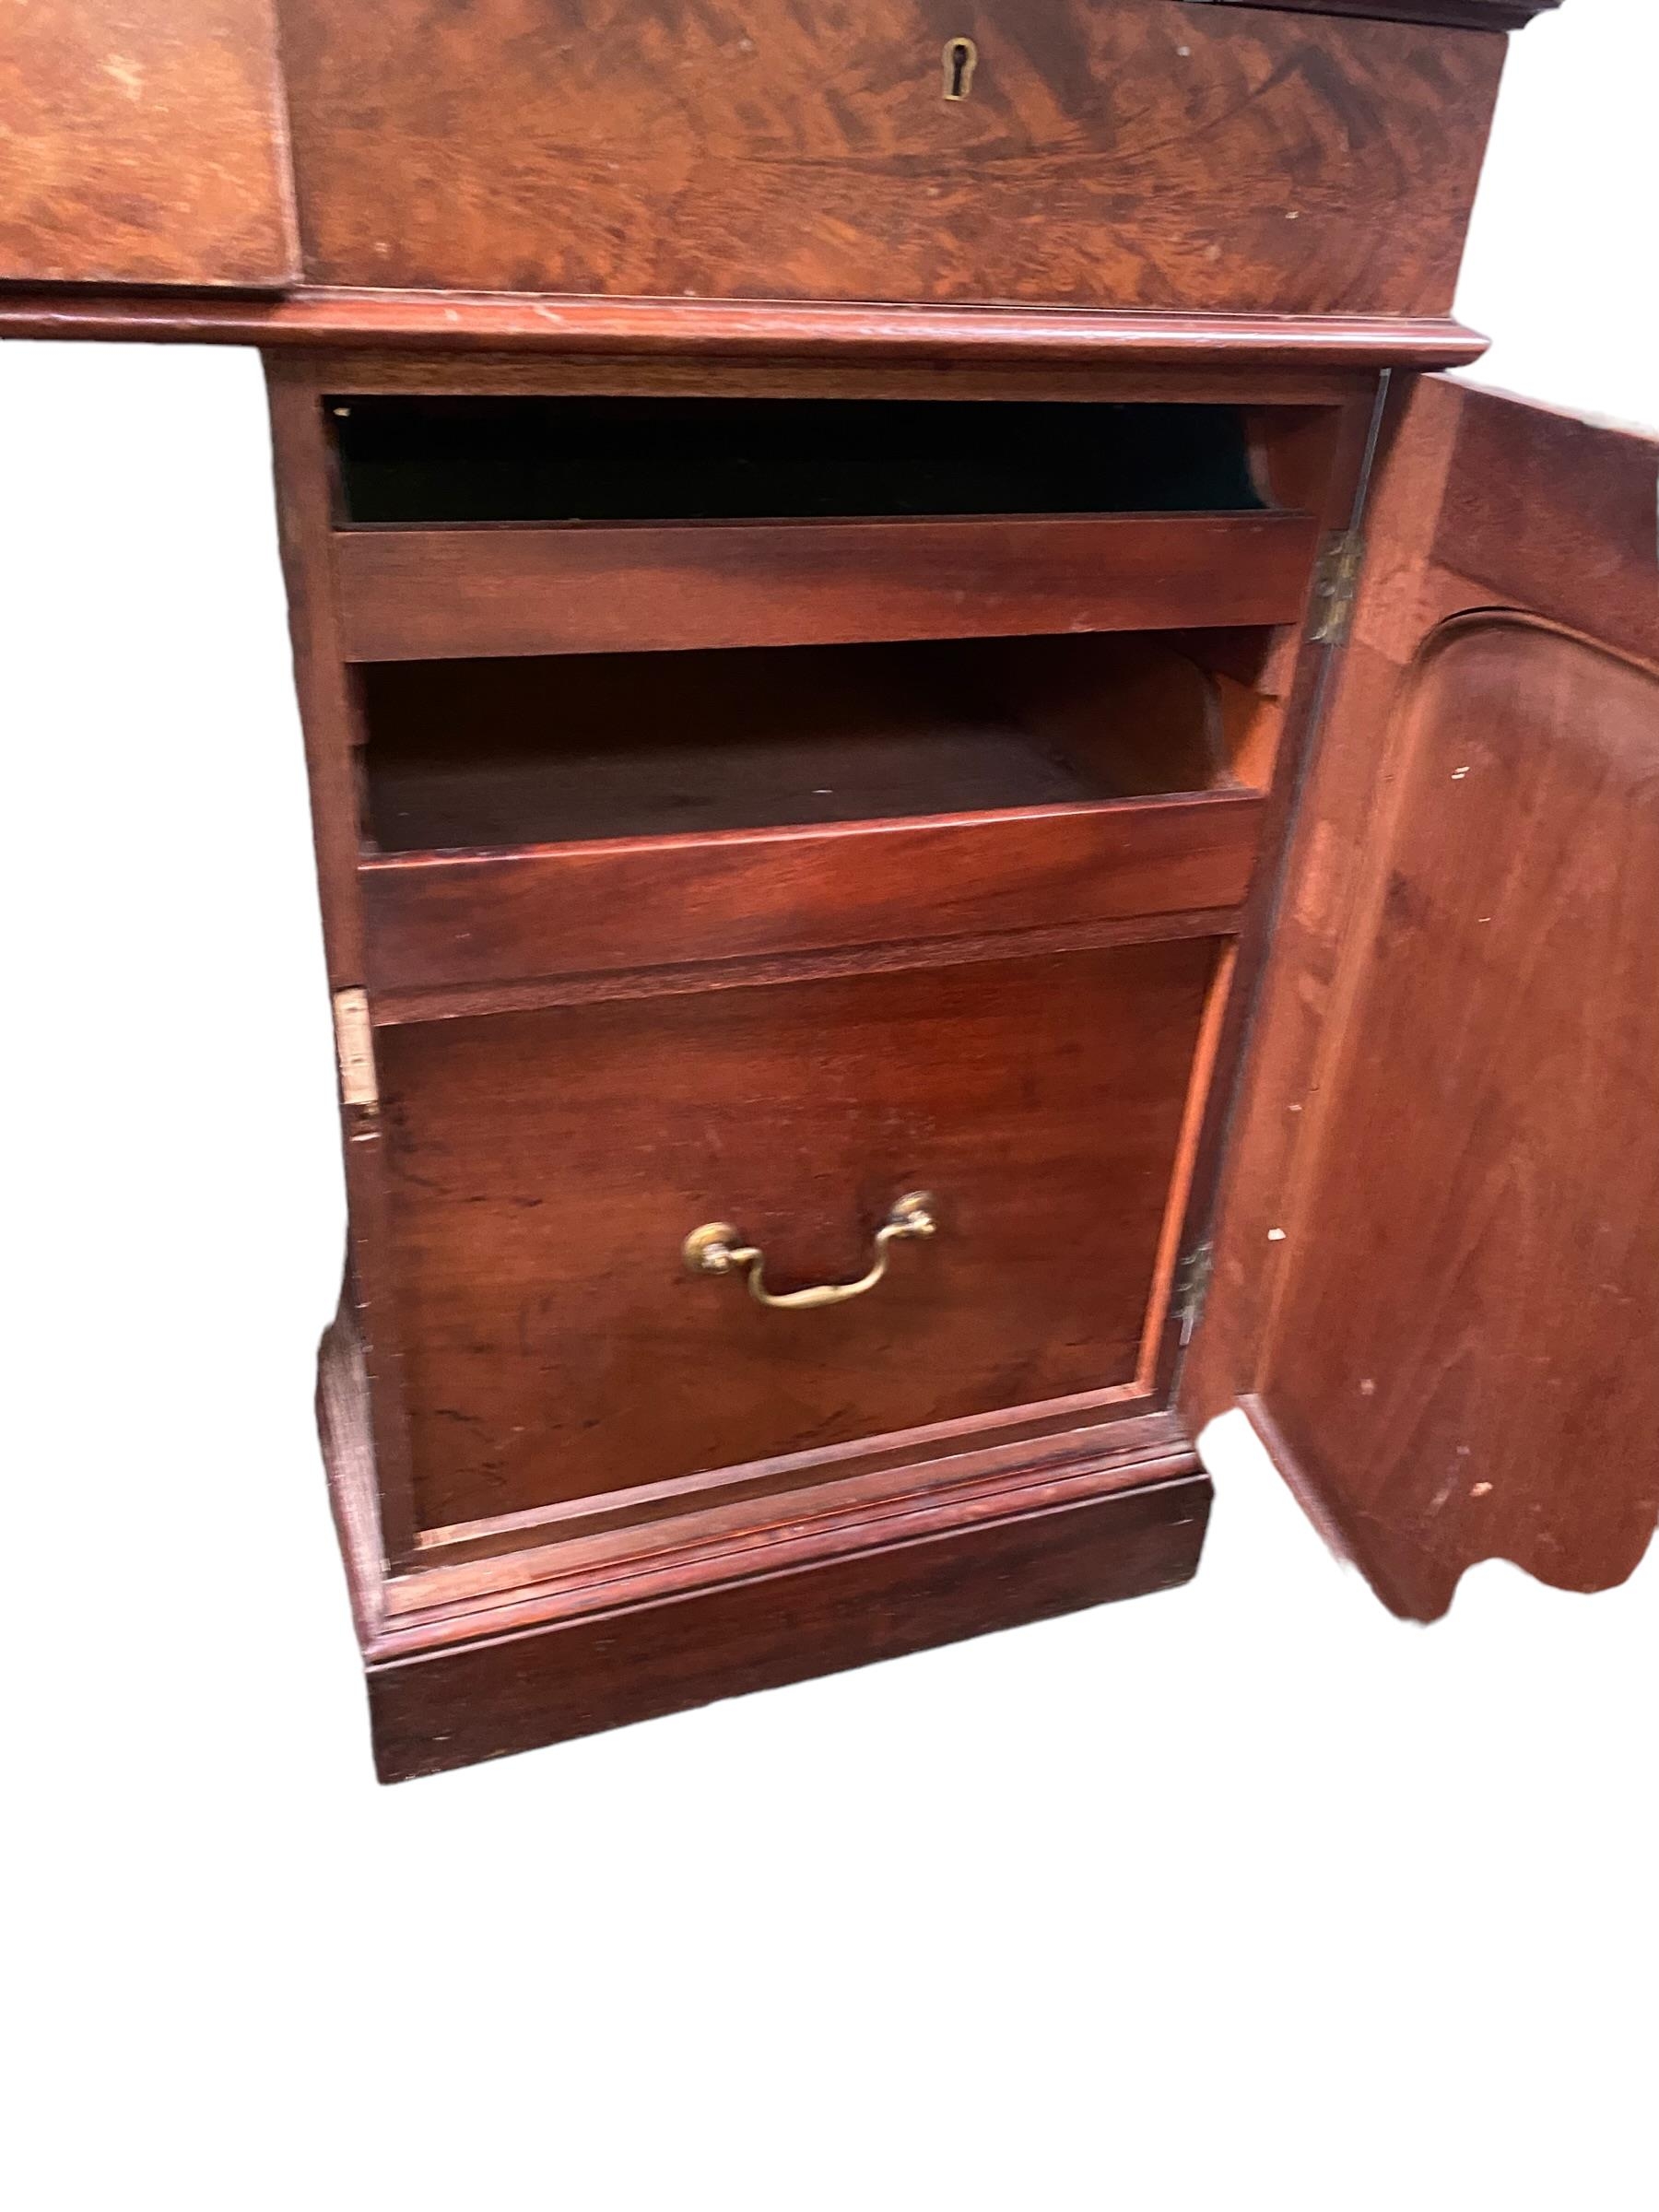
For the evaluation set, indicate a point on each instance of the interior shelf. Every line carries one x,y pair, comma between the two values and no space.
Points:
468,756
462,594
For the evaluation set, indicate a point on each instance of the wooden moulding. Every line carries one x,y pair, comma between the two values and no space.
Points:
533,324
435,593
994,1540
484,371
442,1002
1027,1560
464,920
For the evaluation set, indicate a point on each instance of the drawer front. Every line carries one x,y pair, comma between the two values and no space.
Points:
464,922
1140,154
546,1170
430,595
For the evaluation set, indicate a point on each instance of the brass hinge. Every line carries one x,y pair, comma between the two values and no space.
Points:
1336,585
353,1048
1191,1287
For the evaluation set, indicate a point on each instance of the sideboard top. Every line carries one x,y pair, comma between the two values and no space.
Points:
1165,160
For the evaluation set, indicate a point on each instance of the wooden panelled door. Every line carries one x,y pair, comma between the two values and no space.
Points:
1436,1267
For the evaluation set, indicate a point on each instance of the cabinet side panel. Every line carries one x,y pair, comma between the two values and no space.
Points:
146,143
328,716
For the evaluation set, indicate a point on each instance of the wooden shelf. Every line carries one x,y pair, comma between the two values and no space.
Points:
433,922
581,816
475,755
433,594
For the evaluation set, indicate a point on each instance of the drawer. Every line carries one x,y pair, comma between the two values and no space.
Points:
677,809
430,594
545,1171
487,921
1141,154
473,527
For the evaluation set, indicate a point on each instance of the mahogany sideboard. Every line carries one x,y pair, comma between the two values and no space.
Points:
962,815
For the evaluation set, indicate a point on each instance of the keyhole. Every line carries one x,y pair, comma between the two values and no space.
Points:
961,59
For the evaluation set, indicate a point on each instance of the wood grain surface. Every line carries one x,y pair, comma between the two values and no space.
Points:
950,1574
546,1168
1301,351
1142,155
1460,1359
143,143
469,755
422,595
1438,1241
596,908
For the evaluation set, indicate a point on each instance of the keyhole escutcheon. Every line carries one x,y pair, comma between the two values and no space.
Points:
961,59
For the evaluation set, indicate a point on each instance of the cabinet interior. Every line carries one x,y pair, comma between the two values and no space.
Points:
467,755
447,460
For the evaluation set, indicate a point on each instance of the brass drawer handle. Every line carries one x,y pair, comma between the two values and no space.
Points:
714,1250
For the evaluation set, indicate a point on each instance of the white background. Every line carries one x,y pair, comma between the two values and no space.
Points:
1243,1894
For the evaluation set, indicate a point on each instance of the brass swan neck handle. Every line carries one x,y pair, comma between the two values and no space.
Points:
717,1249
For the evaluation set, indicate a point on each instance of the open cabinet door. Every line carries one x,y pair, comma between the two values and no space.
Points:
1435,1269
144,143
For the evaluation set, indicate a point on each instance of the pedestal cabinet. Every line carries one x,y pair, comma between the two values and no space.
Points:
960,818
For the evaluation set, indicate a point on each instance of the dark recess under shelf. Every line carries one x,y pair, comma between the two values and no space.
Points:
478,754
442,460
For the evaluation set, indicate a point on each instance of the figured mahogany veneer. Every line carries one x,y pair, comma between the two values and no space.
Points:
1252,182
143,143
1147,154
